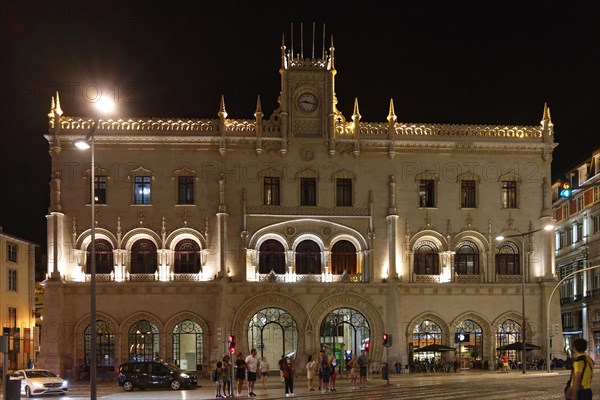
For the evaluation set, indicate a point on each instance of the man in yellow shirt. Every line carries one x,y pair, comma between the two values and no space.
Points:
580,383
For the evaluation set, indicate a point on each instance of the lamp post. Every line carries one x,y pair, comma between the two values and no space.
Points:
84,144
547,227
548,364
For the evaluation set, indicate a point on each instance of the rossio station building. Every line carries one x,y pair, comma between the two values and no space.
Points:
296,230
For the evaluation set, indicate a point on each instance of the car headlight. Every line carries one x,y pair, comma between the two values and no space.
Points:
184,375
65,383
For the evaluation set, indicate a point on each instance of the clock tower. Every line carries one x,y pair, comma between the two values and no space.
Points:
308,102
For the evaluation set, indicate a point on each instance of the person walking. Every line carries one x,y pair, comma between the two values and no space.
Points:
579,386
30,364
240,373
252,368
288,376
363,364
281,363
264,371
311,369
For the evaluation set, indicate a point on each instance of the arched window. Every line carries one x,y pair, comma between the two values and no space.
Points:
426,259
507,259
104,257
187,257
425,334
466,259
143,257
507,333
105,345
143,341
271,257
188,345
343,258
308,258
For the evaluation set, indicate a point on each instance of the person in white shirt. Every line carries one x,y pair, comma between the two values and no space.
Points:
252,370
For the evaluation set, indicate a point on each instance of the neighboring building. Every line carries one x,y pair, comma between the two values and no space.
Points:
17,271
578,247
295,232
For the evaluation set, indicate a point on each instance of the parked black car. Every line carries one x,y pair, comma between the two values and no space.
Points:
148,374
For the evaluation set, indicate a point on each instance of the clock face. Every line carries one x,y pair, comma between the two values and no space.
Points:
307,102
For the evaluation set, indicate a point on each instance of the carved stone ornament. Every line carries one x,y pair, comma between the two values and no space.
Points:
307,154
290,230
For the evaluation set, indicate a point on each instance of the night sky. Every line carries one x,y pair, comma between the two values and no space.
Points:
452,62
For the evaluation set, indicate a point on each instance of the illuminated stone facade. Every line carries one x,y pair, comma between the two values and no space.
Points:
335,229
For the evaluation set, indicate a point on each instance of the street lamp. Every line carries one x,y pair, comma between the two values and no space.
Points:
103,105
500,238
548,363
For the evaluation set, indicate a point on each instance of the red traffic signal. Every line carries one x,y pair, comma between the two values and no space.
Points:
367,345
387,340
231,343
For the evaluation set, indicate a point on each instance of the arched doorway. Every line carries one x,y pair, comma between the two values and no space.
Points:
344,332
343,258
143,341
105,345
271,257
273,332
426,333
188,345
507,333
469,343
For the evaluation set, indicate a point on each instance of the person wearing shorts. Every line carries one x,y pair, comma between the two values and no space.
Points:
362,363
252,370
264,371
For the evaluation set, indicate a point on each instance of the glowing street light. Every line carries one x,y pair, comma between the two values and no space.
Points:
102,106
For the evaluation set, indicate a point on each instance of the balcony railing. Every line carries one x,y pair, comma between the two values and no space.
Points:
593,293
325,278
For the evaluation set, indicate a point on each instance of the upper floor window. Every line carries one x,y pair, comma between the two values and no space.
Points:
343,258
569,235
426,259
12,280
104,257
142,189
343,192
308,258
271,191
99,189
579,227
596,222
467,194
596,193
143,257
426,193
308,191
507,259
271,257
185,190
187,257
579,203
509,194
11,251
466,259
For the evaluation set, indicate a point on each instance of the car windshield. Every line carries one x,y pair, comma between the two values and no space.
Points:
172,366
41,373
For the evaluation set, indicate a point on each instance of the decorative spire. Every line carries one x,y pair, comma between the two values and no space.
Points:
258,106
391,115
222,113
58,110
52,107
331,55
283,60
546,116
356,114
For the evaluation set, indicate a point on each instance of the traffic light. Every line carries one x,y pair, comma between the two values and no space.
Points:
231,343
566,191
387,340
367,346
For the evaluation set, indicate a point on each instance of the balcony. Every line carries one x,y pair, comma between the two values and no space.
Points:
317,278
593,293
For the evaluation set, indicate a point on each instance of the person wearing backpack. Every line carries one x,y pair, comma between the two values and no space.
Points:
579,386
